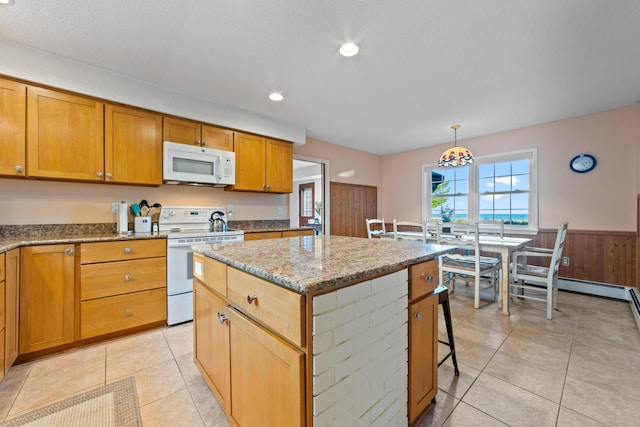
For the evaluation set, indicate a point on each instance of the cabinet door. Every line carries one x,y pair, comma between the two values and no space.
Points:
423,353
133,146
263,235
267,376
218,138
13,112
181,131
279,166
250,165
211,342
46,297
12,282
64,136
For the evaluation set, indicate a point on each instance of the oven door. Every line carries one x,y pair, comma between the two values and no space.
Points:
179,269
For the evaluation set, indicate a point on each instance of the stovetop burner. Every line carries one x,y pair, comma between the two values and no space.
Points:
191,221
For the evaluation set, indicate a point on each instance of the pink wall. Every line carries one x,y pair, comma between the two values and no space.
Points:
604,199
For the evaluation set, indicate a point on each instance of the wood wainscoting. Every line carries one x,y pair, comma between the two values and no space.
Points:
595,256
351,205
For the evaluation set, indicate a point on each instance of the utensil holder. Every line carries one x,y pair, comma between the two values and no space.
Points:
142,224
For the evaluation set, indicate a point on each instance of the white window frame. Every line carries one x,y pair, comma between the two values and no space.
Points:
474,196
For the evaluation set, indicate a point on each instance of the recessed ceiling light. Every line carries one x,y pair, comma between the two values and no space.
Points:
349,49
275,96
6,1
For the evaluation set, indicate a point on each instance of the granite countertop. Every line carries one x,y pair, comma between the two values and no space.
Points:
275,228
8,243
311,263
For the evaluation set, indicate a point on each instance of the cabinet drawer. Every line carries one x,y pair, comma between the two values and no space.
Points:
115,278
297,233
122,250
423,278
263,235
210,272
276,307
106,315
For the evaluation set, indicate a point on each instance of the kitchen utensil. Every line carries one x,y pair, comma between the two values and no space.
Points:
144,211
143,203
135,209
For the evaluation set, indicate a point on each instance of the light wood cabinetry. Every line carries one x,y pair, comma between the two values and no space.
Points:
47,279
277,234
423,337
263,164
122,286
133,146
64,136
249,360
2,317
194,133
13,122
12,305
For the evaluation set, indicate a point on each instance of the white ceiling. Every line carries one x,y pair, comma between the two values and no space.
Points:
490,65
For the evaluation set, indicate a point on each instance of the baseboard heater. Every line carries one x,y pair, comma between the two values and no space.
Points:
595,288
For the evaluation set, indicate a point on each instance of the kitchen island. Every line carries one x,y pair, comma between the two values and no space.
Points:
318,330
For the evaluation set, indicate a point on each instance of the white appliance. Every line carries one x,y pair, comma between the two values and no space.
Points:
190,164
186,226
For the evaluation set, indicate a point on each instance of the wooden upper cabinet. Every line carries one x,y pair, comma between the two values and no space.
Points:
133,146
279,166
13,112
263,164
194,133
64,136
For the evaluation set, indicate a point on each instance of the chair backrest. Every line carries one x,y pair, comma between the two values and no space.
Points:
375,227
554,266
408,230
491,227
465,236
430,229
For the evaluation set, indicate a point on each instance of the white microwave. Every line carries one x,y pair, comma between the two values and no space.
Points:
188,164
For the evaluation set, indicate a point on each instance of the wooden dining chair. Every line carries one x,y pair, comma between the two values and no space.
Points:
539,281
375,227
470,266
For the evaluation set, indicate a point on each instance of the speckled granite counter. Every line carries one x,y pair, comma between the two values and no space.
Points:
12,242
311,263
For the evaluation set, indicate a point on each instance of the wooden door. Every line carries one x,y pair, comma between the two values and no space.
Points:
250,155
279,166
64,136
351,205
306,200
181,131
46,297
218,138
267,377
133,146
12,283
13,122
211,342
423,354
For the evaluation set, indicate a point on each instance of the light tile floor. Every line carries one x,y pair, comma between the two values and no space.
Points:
580,369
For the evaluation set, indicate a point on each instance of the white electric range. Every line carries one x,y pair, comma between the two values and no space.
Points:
186,226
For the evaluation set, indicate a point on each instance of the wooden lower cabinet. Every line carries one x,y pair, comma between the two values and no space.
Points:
47,278
123,285
211,341
277,234
12,307
423,354
267,376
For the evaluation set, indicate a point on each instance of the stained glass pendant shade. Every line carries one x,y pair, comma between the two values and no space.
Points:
455,156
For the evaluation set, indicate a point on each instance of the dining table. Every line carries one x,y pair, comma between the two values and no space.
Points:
502,245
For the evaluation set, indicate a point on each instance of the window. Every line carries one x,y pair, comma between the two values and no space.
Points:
499,187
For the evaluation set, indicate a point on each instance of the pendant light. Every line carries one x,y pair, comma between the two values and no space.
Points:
455,156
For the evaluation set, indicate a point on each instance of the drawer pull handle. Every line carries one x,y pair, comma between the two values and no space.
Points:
127,277
127,312
127,250
222,318
418,315
428,278
68,251
251,298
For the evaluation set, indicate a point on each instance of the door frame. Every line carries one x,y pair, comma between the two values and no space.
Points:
326,197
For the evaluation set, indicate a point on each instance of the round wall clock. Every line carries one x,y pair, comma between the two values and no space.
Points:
582,163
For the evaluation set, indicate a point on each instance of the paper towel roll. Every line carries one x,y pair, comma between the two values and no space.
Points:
123,218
